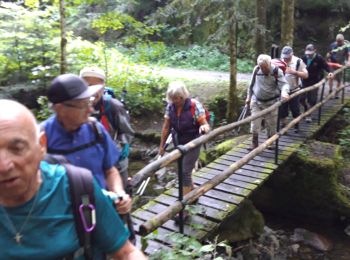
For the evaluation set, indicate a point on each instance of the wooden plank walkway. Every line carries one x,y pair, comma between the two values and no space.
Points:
222,201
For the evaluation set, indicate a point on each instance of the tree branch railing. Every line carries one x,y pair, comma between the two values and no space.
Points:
189,198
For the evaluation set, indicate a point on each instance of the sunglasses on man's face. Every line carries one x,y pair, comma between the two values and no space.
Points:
82,105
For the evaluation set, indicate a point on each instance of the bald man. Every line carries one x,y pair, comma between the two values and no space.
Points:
36,217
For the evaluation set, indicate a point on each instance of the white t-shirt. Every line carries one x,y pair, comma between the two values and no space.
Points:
293,80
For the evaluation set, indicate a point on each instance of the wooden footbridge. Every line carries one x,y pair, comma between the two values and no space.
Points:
226,182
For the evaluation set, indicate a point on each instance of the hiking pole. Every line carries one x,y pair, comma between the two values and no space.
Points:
144,183
167,142
142,187
241,117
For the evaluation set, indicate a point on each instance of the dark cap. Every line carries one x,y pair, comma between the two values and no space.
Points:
310,49
69,87
287,52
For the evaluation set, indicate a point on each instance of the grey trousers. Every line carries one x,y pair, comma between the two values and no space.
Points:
188,164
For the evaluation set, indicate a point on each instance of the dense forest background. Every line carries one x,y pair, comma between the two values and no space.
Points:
129,39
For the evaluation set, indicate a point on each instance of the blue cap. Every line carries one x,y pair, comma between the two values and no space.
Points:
287,52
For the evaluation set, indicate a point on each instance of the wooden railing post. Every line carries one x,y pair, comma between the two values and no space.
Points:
343,91
321,99
277,130
183,150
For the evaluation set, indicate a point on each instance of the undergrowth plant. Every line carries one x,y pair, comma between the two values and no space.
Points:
344,135
44,111
186,247
194,57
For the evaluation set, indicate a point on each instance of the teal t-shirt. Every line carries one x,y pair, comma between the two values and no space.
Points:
50,231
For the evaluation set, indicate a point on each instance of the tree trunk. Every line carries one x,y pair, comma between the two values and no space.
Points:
232,102
63,63
287,23
260,44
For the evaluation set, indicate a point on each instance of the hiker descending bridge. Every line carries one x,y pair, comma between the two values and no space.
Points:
231,178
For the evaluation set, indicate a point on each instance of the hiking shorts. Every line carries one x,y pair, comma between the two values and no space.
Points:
270,118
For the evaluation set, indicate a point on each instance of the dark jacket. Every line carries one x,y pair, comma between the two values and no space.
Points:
118,118
316,68
184,125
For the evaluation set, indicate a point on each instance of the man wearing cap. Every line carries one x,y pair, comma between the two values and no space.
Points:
83,142
112,114
267,86
339,52
296,69
315,65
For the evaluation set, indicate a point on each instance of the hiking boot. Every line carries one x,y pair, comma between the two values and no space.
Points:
284,122
186,216
270,147
296,128
308,119
255,142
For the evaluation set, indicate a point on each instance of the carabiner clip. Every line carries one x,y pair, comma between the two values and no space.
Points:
90,207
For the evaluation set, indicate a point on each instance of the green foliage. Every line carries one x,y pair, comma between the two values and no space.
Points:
194,57
206,22
218,107
344,135
108,21
147,52
44,111
197,57
344,140
184,247
28,46
130,31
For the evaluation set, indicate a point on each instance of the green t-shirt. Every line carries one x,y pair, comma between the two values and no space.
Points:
50,231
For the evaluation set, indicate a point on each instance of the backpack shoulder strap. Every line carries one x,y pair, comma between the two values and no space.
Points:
109,110
275,74
83,201
98,139
298,64
255,72
193,108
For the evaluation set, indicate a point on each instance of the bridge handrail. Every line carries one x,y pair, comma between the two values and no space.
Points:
149,169
189,198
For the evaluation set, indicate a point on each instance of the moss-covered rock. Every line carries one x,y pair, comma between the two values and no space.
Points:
247,223
212,153
308,184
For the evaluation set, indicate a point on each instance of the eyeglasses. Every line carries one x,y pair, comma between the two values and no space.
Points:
84,105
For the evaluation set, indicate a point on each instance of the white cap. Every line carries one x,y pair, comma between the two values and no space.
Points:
339,37
93,72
